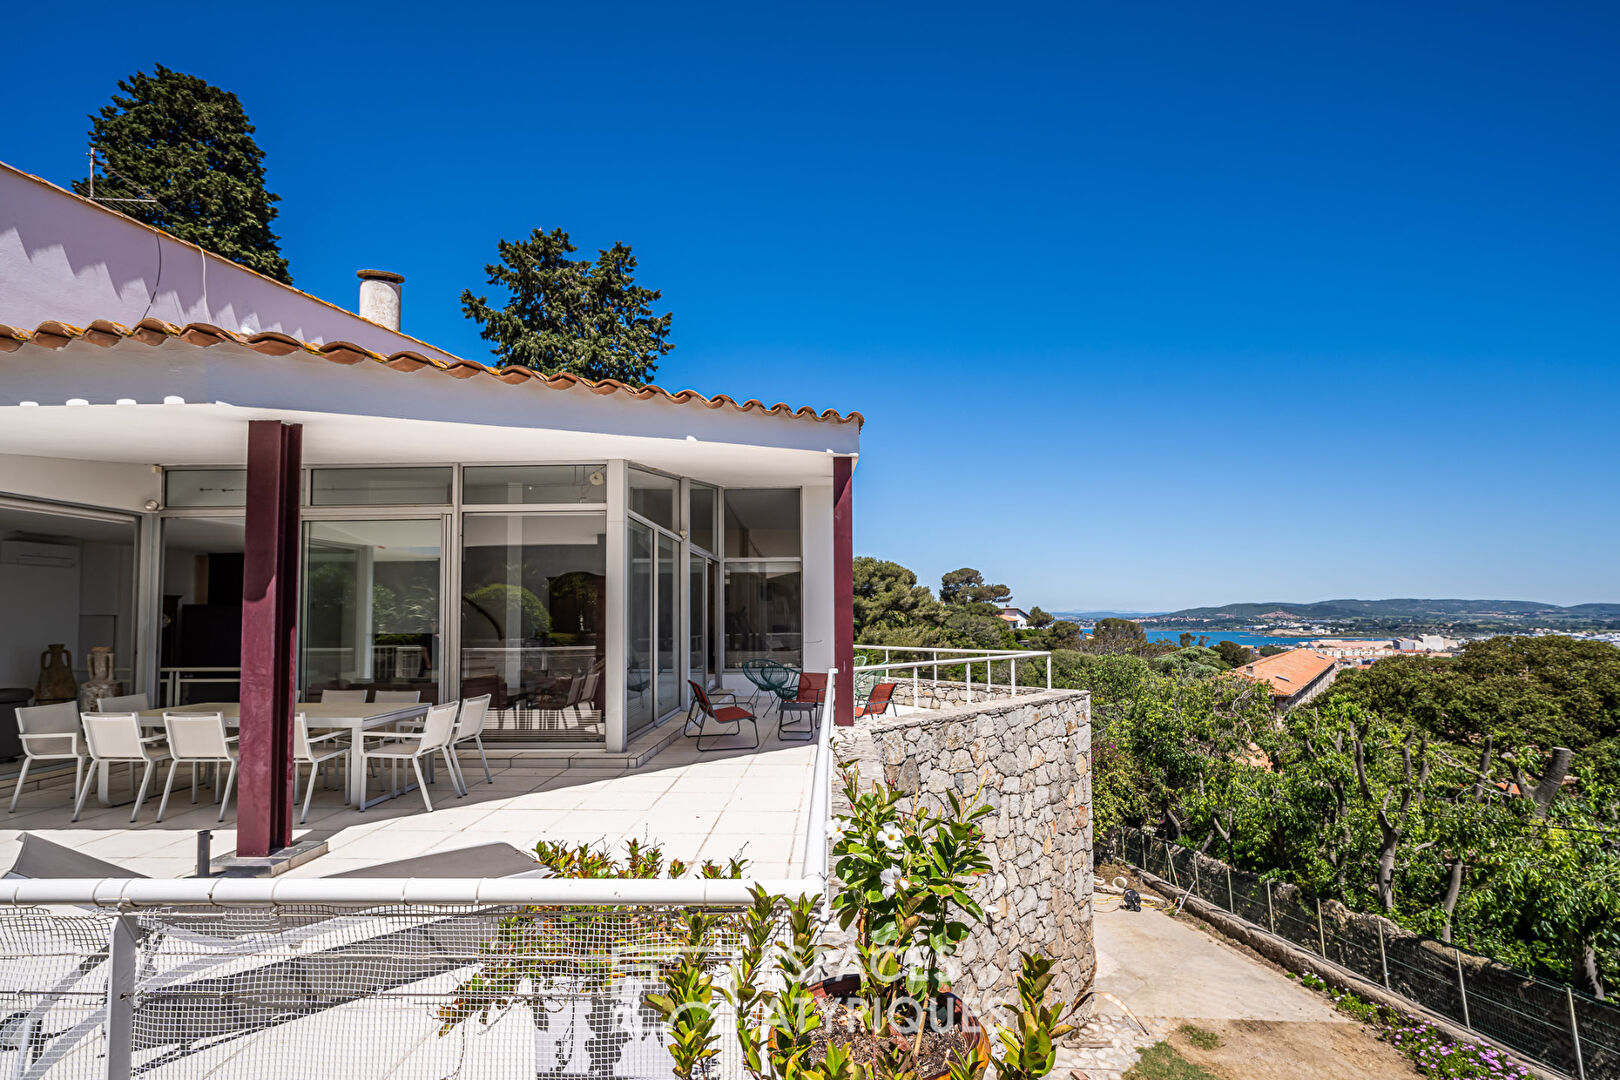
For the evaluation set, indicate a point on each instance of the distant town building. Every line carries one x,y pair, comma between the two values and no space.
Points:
1351,649
1295,676
1017,618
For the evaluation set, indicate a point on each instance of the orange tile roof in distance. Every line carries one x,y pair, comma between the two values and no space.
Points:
1287,672
54,335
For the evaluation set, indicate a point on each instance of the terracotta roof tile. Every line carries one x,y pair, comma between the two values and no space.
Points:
1287,672
54,335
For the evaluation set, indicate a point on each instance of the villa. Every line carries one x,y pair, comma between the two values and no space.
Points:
182,439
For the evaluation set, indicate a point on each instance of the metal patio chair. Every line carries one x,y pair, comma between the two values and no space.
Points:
49,733
769,678
470,728
804,707
198,739
877,702
316,751
702,709
434,738
116,739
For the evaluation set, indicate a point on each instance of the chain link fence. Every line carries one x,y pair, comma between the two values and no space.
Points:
409,992
1572,1032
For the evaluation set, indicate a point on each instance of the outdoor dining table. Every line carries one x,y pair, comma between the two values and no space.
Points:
353,717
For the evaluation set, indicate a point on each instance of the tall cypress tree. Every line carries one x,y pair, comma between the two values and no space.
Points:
176,139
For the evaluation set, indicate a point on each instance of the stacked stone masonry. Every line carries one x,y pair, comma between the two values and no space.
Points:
1029,757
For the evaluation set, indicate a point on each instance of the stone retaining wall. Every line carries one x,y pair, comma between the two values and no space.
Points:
1030,757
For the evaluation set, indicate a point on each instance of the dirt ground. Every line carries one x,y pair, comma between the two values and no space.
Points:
1293,1050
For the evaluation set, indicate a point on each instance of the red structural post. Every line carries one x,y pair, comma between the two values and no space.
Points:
269,638
844,589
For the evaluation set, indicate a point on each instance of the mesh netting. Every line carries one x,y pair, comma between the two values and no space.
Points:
53,990
315,992
1506,1006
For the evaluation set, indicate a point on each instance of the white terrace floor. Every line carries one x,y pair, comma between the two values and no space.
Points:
699,806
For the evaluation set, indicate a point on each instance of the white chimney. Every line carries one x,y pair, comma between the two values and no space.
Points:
379,297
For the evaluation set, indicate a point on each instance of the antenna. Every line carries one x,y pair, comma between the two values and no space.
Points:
115,172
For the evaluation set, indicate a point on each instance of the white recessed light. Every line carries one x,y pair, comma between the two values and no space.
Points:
77,401
174,399
126,401
30,404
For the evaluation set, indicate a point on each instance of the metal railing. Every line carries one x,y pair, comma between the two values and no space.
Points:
363,978
954,661
1553,1022
174,679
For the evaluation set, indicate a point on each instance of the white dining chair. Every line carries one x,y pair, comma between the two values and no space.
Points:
434,738
344,697
397,697
198,739
470,728
316,751
127,703
114,739
49,733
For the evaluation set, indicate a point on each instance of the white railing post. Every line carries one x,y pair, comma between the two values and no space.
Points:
1049,671
123,959
1013,667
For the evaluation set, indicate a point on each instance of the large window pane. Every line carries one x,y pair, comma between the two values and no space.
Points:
668,608
65,581
380,487
762,523
371,606
205,487
202,610
653,497
697,620
764,613
700,525
532,634
534,484
638,708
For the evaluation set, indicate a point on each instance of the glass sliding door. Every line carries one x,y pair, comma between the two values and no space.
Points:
697,626
667,692
371,606
638,681
533,604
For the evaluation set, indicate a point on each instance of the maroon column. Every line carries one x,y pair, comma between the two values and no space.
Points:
844,590
269,638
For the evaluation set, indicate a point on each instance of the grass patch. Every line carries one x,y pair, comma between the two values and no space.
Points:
1161,1062
1204,1040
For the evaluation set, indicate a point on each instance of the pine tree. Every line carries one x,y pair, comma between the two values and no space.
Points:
188,145
564,314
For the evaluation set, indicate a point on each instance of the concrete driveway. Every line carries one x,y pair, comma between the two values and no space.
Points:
1166,972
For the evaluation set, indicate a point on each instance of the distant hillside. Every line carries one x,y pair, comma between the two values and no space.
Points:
1527,612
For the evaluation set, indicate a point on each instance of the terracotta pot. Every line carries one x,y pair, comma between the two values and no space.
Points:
56,682
848,988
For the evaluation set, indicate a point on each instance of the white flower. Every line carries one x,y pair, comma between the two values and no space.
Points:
837,828
891,836
891,880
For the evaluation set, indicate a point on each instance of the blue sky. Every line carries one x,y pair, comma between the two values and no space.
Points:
1147,305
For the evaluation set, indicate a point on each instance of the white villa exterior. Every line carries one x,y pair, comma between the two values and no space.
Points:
578,550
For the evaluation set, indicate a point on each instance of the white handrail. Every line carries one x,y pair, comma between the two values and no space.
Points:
380,892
